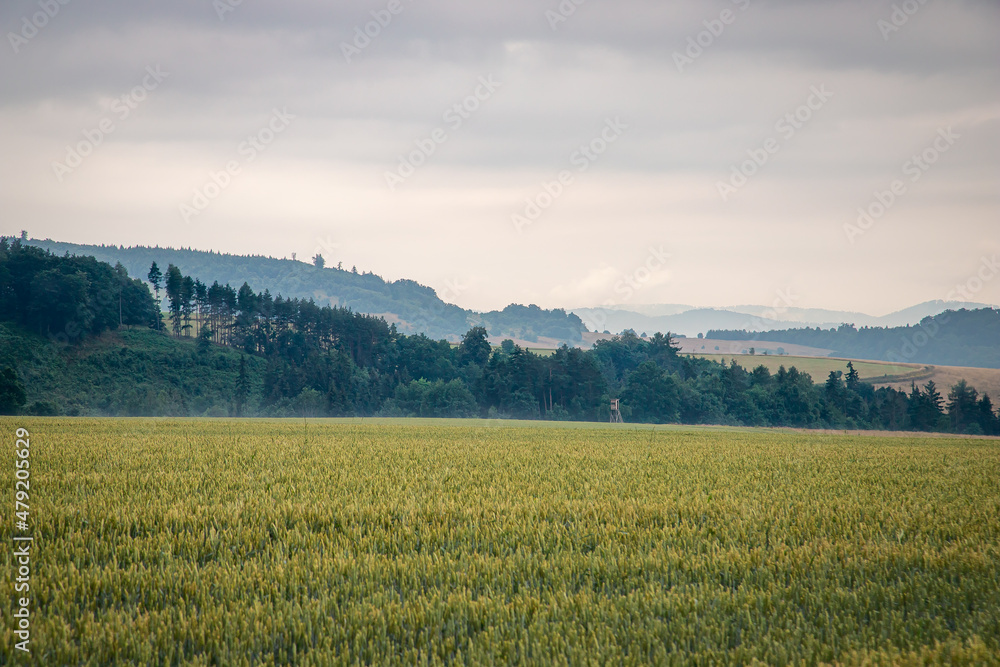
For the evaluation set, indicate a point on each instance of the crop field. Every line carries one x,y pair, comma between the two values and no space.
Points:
485,542
819,367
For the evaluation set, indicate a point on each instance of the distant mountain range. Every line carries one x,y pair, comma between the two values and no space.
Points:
690,321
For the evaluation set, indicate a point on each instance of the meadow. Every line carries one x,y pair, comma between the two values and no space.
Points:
233,542
819,367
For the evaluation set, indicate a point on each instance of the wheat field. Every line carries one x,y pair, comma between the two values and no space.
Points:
344,542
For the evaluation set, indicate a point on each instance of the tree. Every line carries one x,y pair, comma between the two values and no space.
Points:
12,394
318,261
201,301
204,339
475,347
924,408
174,284
962,406
187,303
834,390
988,422
652,395
853,379
242,387
60,302
934,400
155,278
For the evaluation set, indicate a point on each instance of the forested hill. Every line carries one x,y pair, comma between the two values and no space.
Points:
414,308
953,338
80,337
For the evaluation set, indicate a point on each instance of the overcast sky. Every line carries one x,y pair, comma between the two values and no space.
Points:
728,145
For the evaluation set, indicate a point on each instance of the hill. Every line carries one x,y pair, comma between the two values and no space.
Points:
412,307
690,321
953,338
127,373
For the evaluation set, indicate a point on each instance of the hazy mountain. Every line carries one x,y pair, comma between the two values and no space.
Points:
690,322
814,317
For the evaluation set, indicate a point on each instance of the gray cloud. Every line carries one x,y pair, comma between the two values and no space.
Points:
325,176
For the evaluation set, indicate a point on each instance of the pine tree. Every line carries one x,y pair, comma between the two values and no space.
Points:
155,278
989,422
853,379
242,387
962,404
204,339
174,285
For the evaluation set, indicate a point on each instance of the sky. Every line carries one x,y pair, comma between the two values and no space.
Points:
821,154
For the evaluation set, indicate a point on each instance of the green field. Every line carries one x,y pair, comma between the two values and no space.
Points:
818,367
489,542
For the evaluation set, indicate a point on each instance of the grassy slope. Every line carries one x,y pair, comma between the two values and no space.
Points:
985,380
137,372
221,542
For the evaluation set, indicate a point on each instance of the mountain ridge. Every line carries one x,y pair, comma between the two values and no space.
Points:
413,307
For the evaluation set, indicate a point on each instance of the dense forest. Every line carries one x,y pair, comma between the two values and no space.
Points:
952,338
83,337
413,307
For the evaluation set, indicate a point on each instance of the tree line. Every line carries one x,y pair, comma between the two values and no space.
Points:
335,361
332,361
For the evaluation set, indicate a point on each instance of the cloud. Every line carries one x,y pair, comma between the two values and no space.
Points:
687,129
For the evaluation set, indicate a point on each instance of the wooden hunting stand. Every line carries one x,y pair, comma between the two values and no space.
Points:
616,415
